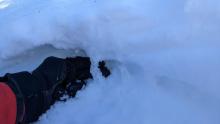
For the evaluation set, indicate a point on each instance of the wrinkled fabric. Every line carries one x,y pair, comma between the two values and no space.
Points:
8,107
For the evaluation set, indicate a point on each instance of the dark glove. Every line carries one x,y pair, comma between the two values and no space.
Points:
77,72
78,68
38,90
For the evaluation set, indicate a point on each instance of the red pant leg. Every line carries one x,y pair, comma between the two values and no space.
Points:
8,107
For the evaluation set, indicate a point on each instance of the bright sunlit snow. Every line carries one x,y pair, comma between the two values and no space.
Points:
4,4
168,69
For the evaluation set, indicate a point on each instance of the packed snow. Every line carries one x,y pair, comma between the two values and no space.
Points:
167,54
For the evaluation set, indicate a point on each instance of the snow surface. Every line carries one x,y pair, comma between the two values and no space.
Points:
168,52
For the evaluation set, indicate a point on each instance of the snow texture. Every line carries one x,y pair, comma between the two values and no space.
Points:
168,54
